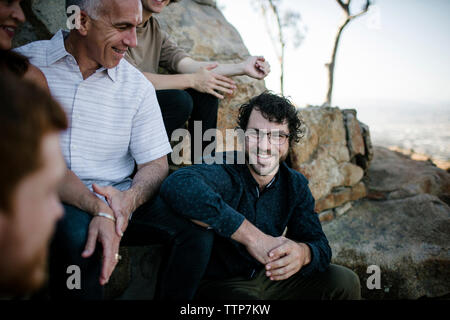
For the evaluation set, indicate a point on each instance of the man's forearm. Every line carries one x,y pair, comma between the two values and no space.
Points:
75,193
247,233
147,181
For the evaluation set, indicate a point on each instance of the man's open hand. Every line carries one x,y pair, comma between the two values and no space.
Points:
287,259
121,204
103,231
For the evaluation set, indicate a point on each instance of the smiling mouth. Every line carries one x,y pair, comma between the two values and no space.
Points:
264,156
9,30
120,51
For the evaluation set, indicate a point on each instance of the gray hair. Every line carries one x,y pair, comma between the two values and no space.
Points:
91,7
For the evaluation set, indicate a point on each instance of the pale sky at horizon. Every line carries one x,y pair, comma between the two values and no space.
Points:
398,52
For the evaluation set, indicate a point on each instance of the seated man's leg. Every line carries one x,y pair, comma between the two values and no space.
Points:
205,110
189,248
176,107
337,283
236,288
67,245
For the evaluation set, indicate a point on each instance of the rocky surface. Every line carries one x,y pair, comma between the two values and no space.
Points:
333,155
393,175
403,227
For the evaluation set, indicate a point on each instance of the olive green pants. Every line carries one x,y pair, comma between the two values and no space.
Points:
336,283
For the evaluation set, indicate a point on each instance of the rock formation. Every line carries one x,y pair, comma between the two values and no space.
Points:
403,227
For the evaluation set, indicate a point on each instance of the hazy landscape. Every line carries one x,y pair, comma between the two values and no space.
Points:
424,128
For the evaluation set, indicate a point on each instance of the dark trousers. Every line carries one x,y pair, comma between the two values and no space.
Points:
336,283
180,106
188,246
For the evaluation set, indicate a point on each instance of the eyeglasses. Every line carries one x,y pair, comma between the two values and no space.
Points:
274,136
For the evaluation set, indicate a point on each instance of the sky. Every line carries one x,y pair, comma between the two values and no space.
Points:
396,54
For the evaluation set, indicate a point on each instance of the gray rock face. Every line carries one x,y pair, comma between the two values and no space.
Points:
409,239
406,231
395,176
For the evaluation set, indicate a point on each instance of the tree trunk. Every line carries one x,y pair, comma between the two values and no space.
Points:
331,64
282,43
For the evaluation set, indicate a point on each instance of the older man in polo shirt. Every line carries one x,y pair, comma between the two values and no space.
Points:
115,122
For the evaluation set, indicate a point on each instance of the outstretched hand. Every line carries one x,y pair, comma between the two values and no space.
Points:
206,81
256,67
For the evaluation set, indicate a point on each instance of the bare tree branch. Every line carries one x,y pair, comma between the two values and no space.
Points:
364,10
345,6
331,65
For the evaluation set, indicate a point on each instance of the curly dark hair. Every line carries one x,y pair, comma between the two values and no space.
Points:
274,108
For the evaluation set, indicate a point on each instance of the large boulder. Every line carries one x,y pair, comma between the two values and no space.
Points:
403,227
408,239
333,155
393,175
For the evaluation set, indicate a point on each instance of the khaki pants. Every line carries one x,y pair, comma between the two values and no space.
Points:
336,283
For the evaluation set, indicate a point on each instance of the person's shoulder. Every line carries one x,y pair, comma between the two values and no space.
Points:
296,178
131,76
154,23
35,50
35,75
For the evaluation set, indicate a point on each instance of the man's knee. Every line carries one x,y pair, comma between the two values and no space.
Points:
344,283
202,237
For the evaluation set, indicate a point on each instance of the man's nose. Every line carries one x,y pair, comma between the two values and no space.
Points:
131,39
263,141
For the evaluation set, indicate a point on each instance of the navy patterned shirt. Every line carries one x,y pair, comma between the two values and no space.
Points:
223,195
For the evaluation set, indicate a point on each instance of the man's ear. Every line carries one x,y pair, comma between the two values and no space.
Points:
85,23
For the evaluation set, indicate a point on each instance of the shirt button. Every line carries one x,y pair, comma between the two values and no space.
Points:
74,147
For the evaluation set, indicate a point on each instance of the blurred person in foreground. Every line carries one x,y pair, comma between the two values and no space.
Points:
31,169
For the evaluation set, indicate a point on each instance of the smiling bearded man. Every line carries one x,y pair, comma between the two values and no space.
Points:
249,206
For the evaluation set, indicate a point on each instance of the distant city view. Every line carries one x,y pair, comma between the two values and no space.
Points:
422,128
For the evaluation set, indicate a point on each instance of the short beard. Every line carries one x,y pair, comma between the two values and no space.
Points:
247,160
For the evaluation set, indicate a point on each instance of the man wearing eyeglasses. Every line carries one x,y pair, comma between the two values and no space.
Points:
268,242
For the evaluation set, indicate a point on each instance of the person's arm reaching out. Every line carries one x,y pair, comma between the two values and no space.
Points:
209,77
